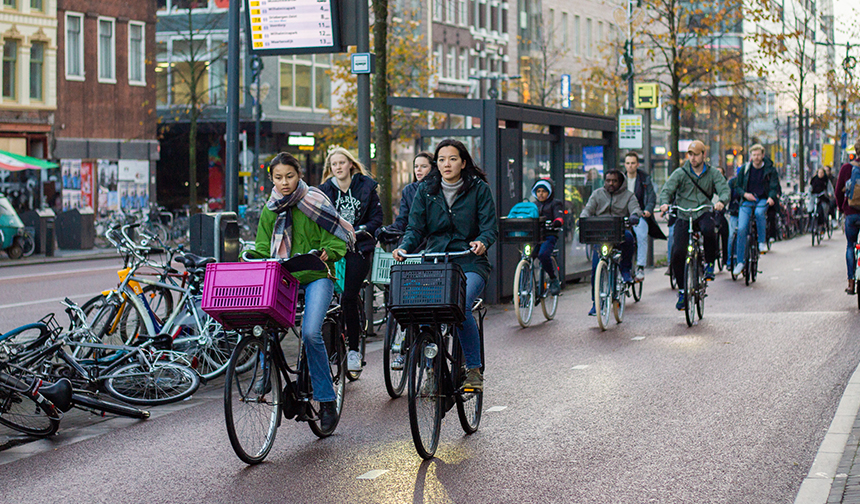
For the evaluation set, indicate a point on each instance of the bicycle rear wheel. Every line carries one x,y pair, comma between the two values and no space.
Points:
602,294
469,404
620,300
690,285
35,417
336,349
548,302
252,401
152,385
637,290
425,396
212,348
701,287
395,347
524,301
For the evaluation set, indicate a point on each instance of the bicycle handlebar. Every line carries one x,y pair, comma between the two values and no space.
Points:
676,208
437,255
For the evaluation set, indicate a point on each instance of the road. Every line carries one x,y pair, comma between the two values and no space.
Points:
730,411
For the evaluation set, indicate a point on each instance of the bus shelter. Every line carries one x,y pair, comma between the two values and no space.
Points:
517,144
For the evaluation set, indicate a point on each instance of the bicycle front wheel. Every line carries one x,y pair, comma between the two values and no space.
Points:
151,385
252,401
425,397
469,404
602,294
690,286
524,301
212,348
34,417
394,353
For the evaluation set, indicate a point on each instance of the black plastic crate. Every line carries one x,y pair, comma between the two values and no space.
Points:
526,230
598,230
428,293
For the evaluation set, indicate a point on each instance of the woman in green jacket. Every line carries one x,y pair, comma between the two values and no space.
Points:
454,211
296,220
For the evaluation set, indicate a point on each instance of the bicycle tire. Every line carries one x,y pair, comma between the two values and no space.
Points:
524,301
636,289
87,403
362,339
425,399
602,294
336,350
252,401
829,227
690,282
396,344
28,245
212,349
673,282
160,383
469,404
620,300
31,416
549,302
160,300
701,288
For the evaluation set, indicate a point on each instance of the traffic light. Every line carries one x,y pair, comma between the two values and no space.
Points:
793,154
734,152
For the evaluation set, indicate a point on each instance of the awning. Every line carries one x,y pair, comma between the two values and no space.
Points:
17,162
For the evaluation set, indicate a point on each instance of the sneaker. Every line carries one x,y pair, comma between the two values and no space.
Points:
668,271
640,274
739,269
625,275
680,304
762,248
592,312
709,271
554,287
474,380
397,363
353,361
328,416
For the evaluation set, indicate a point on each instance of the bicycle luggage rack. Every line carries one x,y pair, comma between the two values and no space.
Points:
428,293
600,230
242,295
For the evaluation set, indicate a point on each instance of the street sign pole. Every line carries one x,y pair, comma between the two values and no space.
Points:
231,172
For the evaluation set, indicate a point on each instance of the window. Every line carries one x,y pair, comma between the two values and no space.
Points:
36,5
12,4
37,70
136,51
494,18
588,39
576,35
504,18
304,81
463,64
551,28
162,70
463,13
482,15
600,32
450,60
322,84
74,46
565,42
450,12
107,45
437,10
437,53
10,68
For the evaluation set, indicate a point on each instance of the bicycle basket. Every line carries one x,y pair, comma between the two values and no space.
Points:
242,295
599,230
520,230
428,293
382,262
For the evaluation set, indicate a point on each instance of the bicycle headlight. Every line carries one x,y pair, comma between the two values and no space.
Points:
528,250
689,248
258,331
604,249
430,351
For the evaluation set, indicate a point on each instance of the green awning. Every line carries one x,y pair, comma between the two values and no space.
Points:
17,162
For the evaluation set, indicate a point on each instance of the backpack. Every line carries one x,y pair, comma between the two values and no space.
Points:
524,210
852,196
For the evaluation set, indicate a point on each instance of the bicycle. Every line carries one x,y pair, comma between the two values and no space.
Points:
254,398
610,289
818,229
429,298
695,285
531,282
751,257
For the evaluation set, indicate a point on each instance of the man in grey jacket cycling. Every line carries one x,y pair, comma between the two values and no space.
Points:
613,199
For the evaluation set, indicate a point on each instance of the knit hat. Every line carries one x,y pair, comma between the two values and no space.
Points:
544,183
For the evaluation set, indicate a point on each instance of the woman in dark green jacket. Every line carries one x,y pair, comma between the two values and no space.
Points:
296,220
454,211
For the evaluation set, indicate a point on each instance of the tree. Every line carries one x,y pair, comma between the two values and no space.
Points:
540,68
381,110
192,61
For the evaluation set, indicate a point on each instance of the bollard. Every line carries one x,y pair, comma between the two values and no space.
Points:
49,237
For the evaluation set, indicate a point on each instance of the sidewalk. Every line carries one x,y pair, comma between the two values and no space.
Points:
60,255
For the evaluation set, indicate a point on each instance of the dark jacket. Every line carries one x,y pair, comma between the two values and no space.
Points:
841,199
771,179
644,191
737,195
368,212
472,217
406,197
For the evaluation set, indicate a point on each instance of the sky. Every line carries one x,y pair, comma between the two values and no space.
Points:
847,13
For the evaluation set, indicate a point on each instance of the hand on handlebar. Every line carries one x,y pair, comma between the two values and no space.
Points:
719,206
396,253
477,248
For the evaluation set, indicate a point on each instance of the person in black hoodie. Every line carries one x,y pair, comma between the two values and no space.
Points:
549,209
354,196
421,165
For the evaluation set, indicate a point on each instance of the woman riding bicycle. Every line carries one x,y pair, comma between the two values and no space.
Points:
821,188
298,219
454,211
354,195
550,210
421,166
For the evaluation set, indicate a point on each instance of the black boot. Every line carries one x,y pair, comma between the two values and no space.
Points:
328,416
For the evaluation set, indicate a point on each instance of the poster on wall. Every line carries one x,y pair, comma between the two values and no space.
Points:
71,173
87,184
134,171
142,196
592,157
108,174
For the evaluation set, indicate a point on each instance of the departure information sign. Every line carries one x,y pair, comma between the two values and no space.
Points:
293,26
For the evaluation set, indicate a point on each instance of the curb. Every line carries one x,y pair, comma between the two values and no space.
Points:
57,259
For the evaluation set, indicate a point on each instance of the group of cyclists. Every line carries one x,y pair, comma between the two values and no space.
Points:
450,208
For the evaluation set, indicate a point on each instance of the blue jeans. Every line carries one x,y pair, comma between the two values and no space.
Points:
317,300
746,211
733,231
670,237
470,340
641,231
852,228
626,257
545,254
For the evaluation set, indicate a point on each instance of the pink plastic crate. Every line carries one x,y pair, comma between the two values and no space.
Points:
242,295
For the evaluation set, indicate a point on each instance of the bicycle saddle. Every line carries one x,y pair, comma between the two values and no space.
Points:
190,260
59,393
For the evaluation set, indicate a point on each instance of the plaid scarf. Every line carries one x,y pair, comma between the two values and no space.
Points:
313,203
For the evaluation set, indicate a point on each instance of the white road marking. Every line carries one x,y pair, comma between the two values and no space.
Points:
496,408
55,274
637,338
369,475
580,367
42,301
